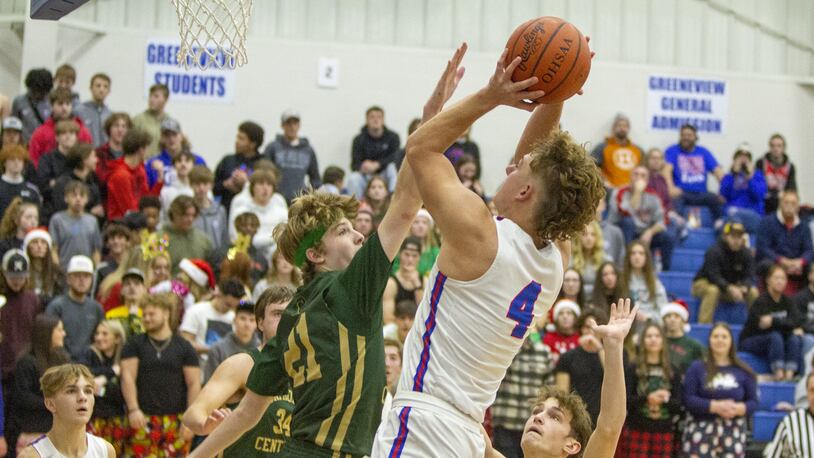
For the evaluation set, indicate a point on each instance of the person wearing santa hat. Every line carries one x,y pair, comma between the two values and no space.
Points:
682,349
197,275
207,322
46,279
566,335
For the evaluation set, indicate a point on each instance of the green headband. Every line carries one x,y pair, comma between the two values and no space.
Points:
311,238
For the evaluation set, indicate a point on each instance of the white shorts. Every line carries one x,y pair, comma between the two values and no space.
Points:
420,425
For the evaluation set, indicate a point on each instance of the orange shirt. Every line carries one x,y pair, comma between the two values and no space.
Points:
618,160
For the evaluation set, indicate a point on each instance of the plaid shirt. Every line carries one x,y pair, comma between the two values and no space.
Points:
531,369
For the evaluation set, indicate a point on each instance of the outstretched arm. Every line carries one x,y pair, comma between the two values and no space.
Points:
229,378
460,214
407,199
248,413
614,395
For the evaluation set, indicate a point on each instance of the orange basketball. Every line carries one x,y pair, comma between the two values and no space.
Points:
554,51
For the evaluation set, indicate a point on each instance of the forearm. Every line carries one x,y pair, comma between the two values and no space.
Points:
614,395
544,120
240,421
193,389
129,392
434,136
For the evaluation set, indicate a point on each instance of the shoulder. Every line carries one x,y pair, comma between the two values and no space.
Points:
30,452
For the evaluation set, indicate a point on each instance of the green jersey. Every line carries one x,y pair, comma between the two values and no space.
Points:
270,434
329,349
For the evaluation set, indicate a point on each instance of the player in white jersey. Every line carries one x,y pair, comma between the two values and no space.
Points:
68,391
493,276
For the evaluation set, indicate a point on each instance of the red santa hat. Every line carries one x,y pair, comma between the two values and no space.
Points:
680,308
566,304
199,271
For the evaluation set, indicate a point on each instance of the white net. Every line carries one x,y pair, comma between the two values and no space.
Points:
213,32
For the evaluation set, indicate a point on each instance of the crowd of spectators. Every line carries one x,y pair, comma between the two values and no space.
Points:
124,250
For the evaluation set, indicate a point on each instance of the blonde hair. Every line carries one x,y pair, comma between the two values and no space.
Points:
310,212
595,256
115,327
572,186
271,276
163,301
58,377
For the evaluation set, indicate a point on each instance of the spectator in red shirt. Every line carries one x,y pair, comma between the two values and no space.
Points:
128,181
566,335
116,127
44,138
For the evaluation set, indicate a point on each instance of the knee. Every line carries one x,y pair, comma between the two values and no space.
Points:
712,291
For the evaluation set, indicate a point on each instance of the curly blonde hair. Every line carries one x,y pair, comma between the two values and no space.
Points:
310,212
573,186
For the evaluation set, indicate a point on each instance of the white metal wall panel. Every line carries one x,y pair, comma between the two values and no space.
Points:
764,36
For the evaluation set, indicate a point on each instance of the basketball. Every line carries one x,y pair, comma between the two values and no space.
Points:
554,51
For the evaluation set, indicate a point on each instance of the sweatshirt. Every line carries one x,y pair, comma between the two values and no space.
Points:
16,325
785,317
126,186
742,193
223,172
776,239
639,388
639,295
212,221
779,177
44,138
294,162
723,267
28,402
648,214
731,382
9,189
804,301
383,149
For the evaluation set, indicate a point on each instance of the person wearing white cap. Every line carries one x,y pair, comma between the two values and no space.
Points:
294,156
79,312
744,189
682,349
12,131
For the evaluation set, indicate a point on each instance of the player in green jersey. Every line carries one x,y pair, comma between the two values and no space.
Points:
228,384
329,348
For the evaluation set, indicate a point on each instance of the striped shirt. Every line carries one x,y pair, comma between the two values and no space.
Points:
794,436
531,369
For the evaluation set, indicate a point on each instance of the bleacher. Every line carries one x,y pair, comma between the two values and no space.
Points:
687,260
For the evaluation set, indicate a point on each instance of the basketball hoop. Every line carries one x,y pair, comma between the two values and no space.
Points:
213,32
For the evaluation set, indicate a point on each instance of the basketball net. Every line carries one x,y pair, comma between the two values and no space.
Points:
213,32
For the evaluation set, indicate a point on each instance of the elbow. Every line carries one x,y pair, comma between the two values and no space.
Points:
194,419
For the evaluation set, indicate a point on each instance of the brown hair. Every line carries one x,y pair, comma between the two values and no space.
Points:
77,155
275,294
163,301
46,271
11,217
777,136
319,210
66,71
60,95
572,186
58,377
180,205
101,76
201,174
709,360
10,152
641,359
134,140
41,343
116,117
271,276
581,425
262,176
160,87
647,270
66,126
239,268
600,295
75,186
388,342
245,218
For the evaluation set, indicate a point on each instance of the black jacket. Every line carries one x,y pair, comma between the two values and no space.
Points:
785,317
723,267
112,403
224,171
384,149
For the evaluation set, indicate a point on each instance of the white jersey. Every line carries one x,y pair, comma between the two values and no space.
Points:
97,447
466,333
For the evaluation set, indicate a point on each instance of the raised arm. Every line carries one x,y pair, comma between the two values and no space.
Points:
460,214
204,414
407,200
614,394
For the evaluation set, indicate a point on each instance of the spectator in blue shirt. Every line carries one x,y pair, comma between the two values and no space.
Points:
172,143
691,164
785,240
744,190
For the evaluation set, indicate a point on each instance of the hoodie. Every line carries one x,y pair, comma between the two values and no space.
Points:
383,149
294,162
126,186
723,267
44,138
